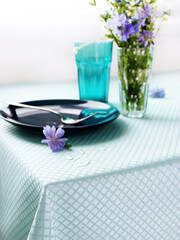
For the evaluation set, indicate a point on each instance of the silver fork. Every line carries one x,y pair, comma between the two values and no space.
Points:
65,120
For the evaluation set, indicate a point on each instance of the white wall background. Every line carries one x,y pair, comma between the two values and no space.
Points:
37,36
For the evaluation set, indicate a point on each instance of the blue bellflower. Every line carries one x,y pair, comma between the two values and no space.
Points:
114,23
121,25
144,38
147,11
136,26
125,31
144,13
53,138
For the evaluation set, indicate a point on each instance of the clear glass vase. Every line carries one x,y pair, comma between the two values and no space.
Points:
134,68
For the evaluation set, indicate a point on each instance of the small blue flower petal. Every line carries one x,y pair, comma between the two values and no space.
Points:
47,132
45,141
59,133
53,131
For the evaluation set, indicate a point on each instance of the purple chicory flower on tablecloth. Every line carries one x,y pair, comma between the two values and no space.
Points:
54,138
145,37
157,93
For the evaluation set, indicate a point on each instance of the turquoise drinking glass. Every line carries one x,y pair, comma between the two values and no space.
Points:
93,61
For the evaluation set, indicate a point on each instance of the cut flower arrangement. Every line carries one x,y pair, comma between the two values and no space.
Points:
133,25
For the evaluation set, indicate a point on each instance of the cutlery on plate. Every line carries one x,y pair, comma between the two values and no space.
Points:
65,120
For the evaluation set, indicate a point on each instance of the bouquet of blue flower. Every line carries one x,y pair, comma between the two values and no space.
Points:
132,25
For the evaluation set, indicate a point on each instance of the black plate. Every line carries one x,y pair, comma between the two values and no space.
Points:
36,120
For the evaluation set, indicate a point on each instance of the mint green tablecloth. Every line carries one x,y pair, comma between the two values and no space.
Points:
121,183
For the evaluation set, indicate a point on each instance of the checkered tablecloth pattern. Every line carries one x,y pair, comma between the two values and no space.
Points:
120,181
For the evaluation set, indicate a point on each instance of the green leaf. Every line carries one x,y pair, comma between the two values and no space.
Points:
93,3
68,145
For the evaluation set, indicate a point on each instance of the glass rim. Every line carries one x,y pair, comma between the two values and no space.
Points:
80,45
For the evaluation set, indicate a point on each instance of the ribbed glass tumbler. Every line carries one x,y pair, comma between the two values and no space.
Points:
93,61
